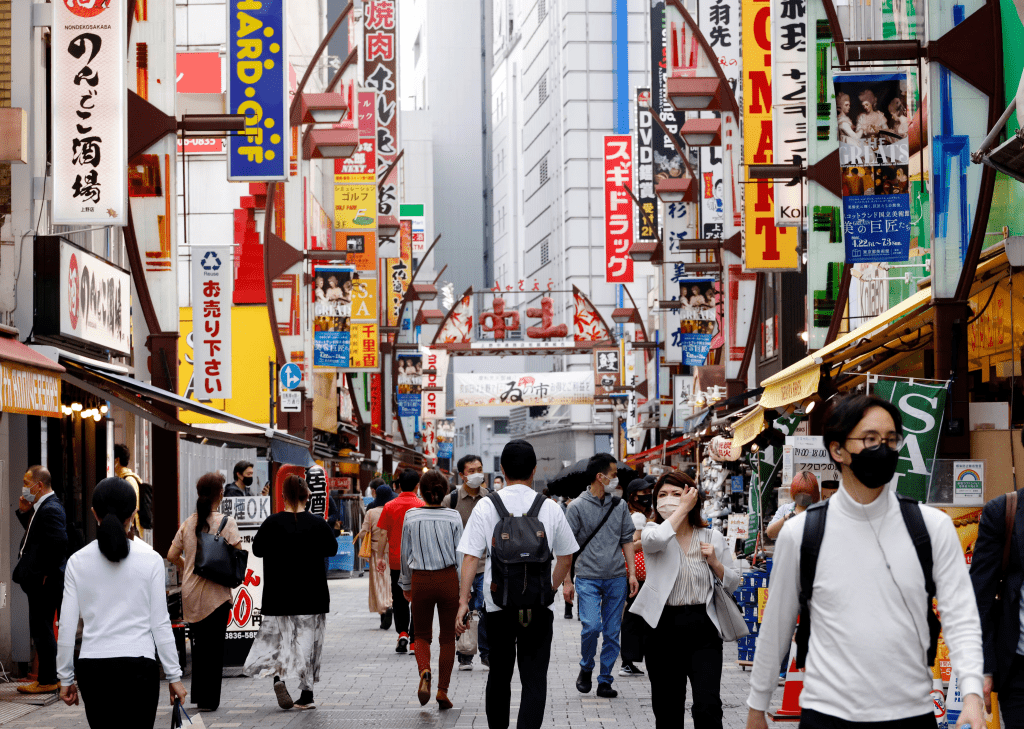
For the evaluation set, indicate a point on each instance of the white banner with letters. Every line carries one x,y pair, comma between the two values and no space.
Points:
535,388
95,300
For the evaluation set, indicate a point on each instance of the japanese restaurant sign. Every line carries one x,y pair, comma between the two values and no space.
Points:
380,73
28,391
211,321
89,99
535,388
257,88
618,208
397,274
95,300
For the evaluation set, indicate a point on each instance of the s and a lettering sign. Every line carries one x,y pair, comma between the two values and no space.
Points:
921,406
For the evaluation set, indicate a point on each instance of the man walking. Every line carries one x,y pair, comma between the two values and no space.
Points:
861,570
392,520
604,529
242,480
40,570
524,634
464,500
122,469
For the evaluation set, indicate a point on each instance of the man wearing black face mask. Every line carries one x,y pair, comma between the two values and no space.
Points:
865,629
243,480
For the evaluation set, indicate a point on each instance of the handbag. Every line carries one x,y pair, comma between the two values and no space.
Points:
366,547
217,561
180,718
731,625
467,642
640,568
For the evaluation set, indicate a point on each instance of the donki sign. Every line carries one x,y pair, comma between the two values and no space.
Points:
618,208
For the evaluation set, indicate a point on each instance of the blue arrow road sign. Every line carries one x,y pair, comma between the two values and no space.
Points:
290,376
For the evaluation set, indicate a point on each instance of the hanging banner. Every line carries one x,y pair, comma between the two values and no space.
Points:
607,373
398,274
410,384
692,327
922,408
444,434
89,101
767,247
332,315
380,73
257,88
648,213
536,388
618,208
874,154
789,109
434,406
212,282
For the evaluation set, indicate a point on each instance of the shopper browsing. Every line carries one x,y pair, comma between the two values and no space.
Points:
380,599
392,519
639,499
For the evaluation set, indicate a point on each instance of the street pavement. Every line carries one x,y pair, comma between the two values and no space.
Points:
365,684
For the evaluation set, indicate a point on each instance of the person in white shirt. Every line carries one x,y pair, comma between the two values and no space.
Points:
512,631
866,658
116,585
804,490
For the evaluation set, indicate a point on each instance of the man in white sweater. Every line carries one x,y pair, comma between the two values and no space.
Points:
869,638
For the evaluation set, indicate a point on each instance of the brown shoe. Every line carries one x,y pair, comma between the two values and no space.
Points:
38,688
443,702
424,690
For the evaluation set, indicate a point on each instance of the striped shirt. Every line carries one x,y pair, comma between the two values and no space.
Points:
429,540
693,584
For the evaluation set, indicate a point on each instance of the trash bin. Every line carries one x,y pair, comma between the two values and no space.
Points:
340,565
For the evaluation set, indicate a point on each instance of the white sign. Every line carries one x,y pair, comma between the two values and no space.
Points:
968,483
789,104
433,405
521,389
95,300
211,316
246,510
291,401
738,526
89,100
807,453
247,599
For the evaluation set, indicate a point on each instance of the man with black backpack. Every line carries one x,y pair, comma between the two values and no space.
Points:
862,583
519,533
143,491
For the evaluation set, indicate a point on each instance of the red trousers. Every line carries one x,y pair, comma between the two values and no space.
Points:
440,588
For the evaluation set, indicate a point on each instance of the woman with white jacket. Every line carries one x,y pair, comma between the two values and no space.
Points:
684,559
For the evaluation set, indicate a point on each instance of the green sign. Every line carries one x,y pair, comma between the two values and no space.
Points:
921,406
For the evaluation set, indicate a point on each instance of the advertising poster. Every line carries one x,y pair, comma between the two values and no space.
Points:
355,209
257,70
807,453
607,374
966,521
618,208
444,433
212,283
968,483
332,315
649,212
362,165
538,388
410,383
874,154
364,299
360,250
247,599
922,408
693,326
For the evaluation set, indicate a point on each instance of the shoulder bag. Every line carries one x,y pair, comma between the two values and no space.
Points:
731,625
217,561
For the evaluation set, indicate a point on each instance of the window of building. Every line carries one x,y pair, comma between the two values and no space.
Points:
545,253
542,10
497,464
544,169
542,89
501,426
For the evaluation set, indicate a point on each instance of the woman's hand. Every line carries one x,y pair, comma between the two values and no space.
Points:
708,550
408,595
69,695
688,500
178,692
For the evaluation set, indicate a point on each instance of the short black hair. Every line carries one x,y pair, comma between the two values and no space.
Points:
376,483
433,487
408,480
468,458
240,468
518,460
122,454
598,463
844,415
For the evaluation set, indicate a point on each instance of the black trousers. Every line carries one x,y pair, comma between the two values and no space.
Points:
121,692
43,602
810,719
685,645
208,657
631,636
1011,695
403,615
530,645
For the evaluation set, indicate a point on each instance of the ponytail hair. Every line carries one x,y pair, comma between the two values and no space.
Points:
113,500
210,487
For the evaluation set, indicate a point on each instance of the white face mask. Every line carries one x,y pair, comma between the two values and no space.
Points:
612,483
667,505
26,493
475,480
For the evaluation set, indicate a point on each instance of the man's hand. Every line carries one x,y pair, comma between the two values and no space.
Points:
756,719
69,695
987,690
460,618
408,595
634,586
568,592
24,504
973,712
177,690
380,566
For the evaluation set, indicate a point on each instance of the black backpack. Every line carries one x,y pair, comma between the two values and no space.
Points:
814,531
520,558
145,505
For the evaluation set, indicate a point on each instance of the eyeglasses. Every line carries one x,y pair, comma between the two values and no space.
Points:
874,440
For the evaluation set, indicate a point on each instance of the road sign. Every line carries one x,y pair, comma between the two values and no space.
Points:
290,376
291,401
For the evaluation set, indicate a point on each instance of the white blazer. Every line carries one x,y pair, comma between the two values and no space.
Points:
661,559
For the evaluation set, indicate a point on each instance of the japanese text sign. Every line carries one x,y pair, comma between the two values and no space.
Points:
380,73
211,316
618,208
536,388
355,207
95,300
647,216
789,92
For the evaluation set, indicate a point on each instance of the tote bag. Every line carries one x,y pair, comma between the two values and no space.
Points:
366,547
217,561
731,625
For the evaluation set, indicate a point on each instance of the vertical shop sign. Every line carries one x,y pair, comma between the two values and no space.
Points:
316,480
618,208
767,247
410,384
90,106
211,317
874,154
362,165
922,408
648,214
419,227
434,405
257,88
380,73
398,273
789,91
199,73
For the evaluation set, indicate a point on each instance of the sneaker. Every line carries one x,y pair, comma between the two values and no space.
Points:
305,701
583,682
283,699
605,691
403,643
628,669
412,649
485,661
465,666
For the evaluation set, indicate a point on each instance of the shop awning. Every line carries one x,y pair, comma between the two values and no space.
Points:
11,350
31,381
748,427
145,401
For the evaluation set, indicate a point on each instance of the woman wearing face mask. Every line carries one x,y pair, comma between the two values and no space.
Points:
380,587
684,559
639,498
804,490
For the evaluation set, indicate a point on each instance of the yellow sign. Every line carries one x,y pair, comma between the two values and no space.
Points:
762,600
747,428
767,248
792,389
29,391
253,347
355,207
364,298
364,346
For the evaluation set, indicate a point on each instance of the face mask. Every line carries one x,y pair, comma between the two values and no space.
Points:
803,500
645,501
247,480
612,483
26,493
667,506
475,480
875,467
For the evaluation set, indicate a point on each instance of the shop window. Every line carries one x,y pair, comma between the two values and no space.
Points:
501,426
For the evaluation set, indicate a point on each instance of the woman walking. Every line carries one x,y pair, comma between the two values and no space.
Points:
430,577
380,587
116,585
639,499
292,544
206,604
684,559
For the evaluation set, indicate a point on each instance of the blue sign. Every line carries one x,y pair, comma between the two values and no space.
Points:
331,349
257,88
290,376
737,484
876,228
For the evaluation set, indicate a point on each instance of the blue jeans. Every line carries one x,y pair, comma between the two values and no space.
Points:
476,602
601,603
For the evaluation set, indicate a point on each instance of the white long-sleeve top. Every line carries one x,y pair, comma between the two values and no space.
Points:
123,606
866,657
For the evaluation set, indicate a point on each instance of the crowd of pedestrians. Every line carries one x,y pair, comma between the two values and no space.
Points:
646,570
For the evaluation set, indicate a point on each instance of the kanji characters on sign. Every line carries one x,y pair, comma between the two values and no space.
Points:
618,207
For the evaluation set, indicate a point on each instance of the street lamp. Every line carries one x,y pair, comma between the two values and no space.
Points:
702,132
646,250
388,226
626,316
319,109
695,93
330,143
675,189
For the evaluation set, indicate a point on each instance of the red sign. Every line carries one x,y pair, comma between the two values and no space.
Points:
380,73
618,208
199,73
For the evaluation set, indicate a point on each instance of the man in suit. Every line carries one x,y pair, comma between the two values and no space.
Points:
40,570
1001,618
